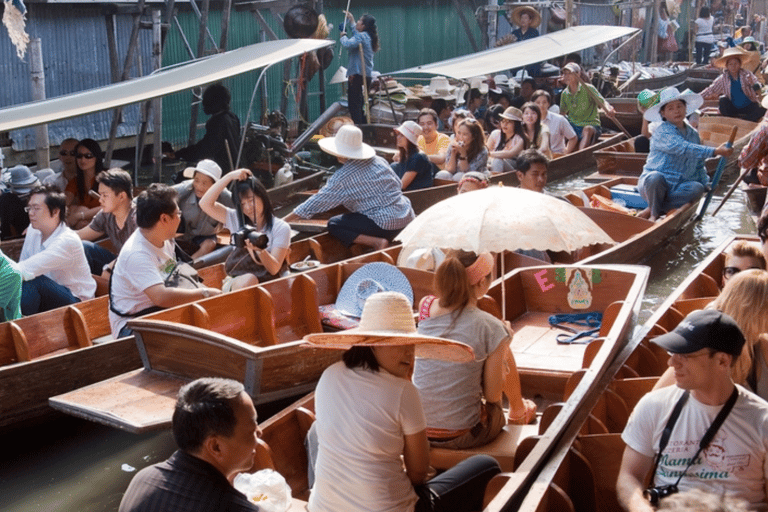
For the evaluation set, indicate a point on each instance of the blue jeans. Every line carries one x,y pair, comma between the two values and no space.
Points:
348,226
97,257
43,294
662,197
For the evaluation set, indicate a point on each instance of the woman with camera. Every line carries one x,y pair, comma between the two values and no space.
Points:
254,260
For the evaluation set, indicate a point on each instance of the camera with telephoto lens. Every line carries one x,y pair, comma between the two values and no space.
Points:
250,233
655,494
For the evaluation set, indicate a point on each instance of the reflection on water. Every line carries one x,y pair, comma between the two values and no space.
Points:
73,465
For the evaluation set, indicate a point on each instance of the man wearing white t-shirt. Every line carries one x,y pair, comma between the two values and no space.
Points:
702,351
52,261
146,259
562,137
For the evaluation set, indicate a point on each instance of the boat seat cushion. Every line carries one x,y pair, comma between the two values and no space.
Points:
335,320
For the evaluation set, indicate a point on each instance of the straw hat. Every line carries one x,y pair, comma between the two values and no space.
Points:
19,179
330,128
348,143
512,114
387,321
367,280
744,56
411,131
393,86
439,87
207,167
647,98
692,102
526,9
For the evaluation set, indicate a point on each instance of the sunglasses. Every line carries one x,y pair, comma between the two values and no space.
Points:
85,155
64,152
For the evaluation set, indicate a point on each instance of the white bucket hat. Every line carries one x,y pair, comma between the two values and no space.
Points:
207,167
478,82
501,80
19,179
387,321
439,87
692,102
348,143
411,131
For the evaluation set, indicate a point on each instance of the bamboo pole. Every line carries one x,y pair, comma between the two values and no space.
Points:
366,106
37,79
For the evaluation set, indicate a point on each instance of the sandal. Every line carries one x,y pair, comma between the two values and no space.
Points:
527,417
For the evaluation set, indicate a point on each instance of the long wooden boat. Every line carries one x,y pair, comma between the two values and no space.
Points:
559,168
545,367
701,77
622,160
586,460
674,79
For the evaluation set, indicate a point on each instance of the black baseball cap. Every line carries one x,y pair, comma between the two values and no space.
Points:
706,328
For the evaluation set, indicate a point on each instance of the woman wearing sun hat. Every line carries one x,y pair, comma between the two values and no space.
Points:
506,143
413,168
674,172
369,416
735,88
366,186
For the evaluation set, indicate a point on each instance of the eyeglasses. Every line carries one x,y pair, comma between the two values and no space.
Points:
64,152
686,357
729,272
33,209
85,155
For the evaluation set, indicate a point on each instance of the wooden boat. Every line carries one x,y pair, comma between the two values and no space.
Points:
622,160
588,455
626,113
559,168
281,445
701,77
675,79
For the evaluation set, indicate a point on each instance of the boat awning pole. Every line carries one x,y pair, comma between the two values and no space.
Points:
248,114
630,38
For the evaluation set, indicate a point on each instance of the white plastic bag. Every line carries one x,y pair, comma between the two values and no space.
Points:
266,488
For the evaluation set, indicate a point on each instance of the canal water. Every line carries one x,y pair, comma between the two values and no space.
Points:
76,466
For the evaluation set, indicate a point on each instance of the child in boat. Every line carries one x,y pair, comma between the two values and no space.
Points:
251,264
369,416
462,401
674,173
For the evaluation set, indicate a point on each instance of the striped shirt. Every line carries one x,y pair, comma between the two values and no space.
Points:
721,86
756,152
678,156
369,187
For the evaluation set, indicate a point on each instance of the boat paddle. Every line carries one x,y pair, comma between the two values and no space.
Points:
731,190
601,103
718,174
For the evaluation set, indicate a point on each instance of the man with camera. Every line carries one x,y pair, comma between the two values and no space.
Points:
704,433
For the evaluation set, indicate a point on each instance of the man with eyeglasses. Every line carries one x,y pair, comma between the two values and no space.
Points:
147,258
68,165
742,255
52,261
702,349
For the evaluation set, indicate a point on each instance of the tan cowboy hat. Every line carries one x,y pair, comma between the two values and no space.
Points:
512,114
387,321
526,9
330,128
348,143
745,57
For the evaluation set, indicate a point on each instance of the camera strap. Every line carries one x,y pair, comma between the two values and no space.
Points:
708,435
668,431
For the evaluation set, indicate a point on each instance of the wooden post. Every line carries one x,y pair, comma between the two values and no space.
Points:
112,45
568,13
226,9
157,103
493,18
654,47
37,78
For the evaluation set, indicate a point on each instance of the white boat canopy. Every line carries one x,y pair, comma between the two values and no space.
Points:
163,82
524,53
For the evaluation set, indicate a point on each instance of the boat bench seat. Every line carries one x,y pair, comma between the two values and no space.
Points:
502,449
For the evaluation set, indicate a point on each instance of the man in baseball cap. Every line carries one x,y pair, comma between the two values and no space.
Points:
702,349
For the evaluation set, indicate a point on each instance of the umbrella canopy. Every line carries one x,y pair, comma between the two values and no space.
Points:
500,219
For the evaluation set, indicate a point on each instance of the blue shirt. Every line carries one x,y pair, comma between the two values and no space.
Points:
352,44
369,187
420,164
678,155
738,97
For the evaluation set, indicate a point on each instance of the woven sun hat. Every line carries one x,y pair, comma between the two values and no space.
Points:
387,321
439,87
526,9
340,76
207,167
411,131
647,98
348,143
369,279
19,179
512,114
735,52
330,128
692,102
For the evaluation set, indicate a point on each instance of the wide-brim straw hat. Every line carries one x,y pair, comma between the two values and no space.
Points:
207,167
512,114
692,102
439,87
387,321
369,279
330,128
526,9
736,52
411,131
348,143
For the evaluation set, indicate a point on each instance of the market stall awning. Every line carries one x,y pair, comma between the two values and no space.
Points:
524,53
179,78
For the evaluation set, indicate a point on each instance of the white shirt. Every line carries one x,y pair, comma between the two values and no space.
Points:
61,257
279,237
139,266
559,130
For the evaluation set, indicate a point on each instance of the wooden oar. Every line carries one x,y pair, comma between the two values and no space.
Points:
731,190
600,101
718,174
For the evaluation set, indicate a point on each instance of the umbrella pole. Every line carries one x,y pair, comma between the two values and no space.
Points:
503,291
